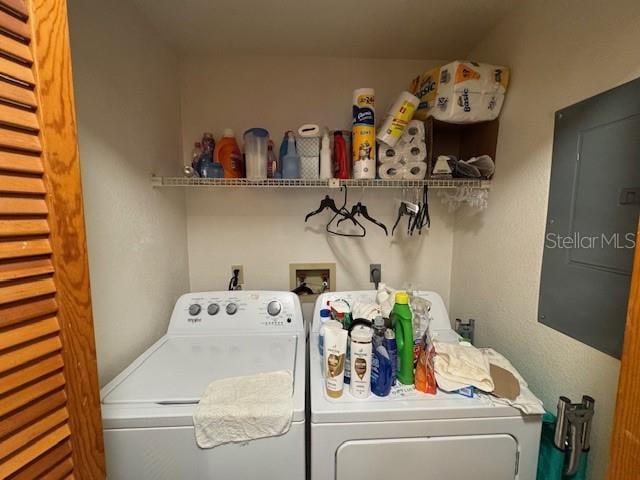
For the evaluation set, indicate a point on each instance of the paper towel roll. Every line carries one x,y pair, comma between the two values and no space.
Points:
414,171
391,170
388,154
398,116
415,128
363,169
415,152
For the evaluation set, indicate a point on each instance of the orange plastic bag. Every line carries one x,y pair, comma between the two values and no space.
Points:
425,377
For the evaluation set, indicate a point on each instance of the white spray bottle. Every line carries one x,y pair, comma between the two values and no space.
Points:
326,172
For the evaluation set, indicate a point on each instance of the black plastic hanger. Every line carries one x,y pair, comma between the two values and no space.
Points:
327,202
360,209
342,211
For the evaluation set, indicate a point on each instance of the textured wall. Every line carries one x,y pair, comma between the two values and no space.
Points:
129,121
560,53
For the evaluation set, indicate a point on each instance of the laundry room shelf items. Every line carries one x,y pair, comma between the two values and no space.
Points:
301,183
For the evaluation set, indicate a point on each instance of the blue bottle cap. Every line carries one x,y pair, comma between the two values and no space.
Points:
325,313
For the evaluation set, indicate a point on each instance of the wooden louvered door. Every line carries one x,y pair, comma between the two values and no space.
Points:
50,424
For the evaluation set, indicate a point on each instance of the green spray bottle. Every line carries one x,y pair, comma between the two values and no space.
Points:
403,327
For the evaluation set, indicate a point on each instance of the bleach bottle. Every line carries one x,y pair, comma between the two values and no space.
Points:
403,326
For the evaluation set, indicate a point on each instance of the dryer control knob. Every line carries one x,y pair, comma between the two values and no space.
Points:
231,309
274,308
194,309
213,309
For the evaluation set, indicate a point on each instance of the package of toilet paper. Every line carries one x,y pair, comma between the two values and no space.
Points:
461,92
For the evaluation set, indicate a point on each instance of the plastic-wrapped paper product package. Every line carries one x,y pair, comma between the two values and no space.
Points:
461,92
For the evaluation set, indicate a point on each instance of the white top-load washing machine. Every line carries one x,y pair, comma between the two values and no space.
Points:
147,410
409,434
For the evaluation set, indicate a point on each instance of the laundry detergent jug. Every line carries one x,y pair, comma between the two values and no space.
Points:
403,326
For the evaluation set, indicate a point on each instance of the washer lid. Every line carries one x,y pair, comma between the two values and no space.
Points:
179,369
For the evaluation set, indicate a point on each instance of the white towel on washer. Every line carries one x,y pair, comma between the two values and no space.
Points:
239,409
458,365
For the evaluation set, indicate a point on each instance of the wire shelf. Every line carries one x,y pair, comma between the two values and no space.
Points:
302,183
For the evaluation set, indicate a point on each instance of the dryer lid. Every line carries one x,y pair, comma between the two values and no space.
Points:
179,369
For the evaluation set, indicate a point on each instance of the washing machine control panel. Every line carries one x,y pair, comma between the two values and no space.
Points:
215,312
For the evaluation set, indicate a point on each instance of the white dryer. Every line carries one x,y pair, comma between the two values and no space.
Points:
413,435
147,410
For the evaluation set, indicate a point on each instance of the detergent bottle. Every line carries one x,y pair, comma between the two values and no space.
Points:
291,160
227,153
403,327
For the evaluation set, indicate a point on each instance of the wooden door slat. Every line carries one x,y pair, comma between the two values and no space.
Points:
15,292
33,451
16,71
44,463
15,49
23,228
18,94
28,374
21,184
28,332
22,205
25,269
20,162
16,313
19,118
17,6
24,396
61,471
14,26
19,140
20,356
33,431
30,413
24,248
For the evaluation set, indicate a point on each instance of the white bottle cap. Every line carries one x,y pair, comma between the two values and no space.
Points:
228,133
361,333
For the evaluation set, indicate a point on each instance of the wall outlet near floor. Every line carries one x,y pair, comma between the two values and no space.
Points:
240,273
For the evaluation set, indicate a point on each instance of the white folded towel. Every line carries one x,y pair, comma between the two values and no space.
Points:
459,365
239,409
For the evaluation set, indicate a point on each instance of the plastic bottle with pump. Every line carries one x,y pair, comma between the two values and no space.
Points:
402,323
291,160
326,172
227,153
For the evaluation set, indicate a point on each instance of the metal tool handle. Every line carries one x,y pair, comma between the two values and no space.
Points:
574,450
589,404
560,434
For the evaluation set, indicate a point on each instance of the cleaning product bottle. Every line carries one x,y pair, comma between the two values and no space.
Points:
378,331
291,161
227,153
392,349
272,163
340,161
403,326
325,158
381,372
196,153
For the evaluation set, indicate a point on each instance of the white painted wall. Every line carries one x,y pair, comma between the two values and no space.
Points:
129,126
264,230
560,53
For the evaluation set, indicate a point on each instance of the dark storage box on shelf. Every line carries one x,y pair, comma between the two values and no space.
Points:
461,140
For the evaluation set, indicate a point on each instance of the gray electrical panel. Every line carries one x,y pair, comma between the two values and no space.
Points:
594,203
